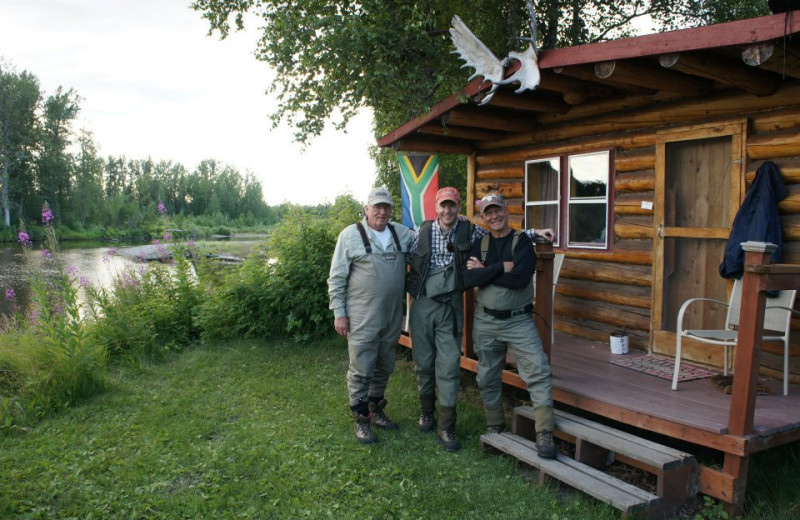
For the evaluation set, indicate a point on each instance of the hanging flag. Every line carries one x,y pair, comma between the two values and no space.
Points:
419,182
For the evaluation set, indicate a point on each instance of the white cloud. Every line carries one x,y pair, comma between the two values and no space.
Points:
154,84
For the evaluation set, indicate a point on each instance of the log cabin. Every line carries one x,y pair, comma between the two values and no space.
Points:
638,153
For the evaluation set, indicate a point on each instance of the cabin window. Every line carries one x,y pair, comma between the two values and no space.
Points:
569,194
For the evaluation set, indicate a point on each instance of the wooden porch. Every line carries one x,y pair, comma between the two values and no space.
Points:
734,426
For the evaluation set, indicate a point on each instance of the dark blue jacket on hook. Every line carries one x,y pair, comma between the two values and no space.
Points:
756,220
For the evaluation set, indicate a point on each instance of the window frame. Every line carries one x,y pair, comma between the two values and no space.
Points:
565,200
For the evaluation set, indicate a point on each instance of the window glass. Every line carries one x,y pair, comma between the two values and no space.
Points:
588,199
542,194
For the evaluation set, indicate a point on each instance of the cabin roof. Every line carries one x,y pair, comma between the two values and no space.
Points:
754,55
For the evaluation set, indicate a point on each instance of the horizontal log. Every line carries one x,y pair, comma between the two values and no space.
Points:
506,121
791,252
600,332
789,167
508,172
508,189
618,256
639,159
791,203
771,145
644,180
775,120
527,102
636,227
599,271
724,104
649,75
632,203
722,69
461,132
616,315
791,227
618,294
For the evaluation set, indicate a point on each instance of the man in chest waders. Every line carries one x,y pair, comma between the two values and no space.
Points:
366,288
501,266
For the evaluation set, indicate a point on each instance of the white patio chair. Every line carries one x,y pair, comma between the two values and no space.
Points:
777,325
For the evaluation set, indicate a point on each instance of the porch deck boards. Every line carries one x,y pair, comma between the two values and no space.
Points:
582,369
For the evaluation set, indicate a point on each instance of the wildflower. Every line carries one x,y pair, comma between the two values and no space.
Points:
58,309
190,243
112,251
142,256
47,215
46,254
24,239
83,281
162,209
106,259
11,295
167,236
142,270
72,270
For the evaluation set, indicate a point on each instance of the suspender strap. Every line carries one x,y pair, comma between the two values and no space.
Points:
485,244
363,233
394,236
364,238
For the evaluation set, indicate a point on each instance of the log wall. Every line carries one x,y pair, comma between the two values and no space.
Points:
602,291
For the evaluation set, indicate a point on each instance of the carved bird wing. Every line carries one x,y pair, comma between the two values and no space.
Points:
476,55
528,74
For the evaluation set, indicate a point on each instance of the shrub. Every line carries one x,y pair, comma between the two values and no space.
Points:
288,295
149,312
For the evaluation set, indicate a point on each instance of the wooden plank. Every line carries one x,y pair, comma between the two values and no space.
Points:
597,484
651,453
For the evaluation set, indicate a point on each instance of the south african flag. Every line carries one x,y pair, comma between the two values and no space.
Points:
419,176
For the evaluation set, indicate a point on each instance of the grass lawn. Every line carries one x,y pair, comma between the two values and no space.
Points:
262,430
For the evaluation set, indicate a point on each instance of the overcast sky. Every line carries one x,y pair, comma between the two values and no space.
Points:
154,84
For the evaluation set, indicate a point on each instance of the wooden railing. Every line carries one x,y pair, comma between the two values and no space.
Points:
759,277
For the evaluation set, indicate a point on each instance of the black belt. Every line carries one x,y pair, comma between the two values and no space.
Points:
504,315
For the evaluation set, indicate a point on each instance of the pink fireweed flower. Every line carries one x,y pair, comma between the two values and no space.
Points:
46,254
47,215
162,209
167,236
106,259
24,239
142,256
11,294
83,281
72,270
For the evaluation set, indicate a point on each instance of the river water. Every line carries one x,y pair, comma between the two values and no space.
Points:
98,264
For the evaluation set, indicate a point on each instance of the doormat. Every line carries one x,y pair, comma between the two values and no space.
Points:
662,367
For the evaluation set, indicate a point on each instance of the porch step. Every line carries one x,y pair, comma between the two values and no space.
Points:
675,471
621,495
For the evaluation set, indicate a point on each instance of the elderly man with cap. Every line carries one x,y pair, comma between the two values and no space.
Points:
501,266
366,289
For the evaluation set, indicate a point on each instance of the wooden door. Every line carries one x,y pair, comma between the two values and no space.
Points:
699,187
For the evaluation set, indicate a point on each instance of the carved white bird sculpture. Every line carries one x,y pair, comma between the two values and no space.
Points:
477,55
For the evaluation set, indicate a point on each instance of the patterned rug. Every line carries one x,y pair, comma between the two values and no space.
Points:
662,367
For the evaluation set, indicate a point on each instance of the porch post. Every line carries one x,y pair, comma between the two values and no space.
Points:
748,346
544,293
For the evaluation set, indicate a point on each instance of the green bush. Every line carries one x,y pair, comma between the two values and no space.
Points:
149,313
287,296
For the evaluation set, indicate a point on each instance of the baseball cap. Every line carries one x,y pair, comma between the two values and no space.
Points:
448,193
492,199
380,195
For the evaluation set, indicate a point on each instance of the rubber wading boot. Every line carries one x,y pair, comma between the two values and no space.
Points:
426,408
495,419
545,444
446,435
379,417
363,430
